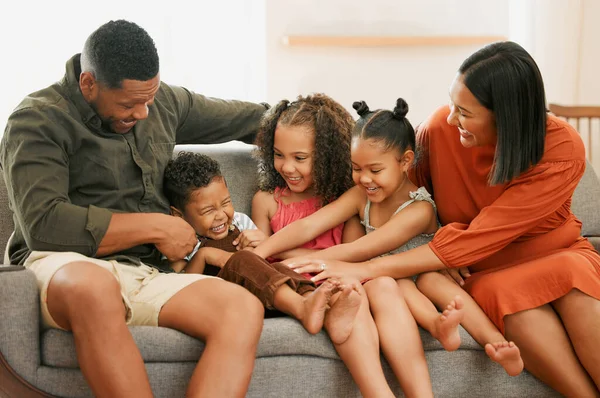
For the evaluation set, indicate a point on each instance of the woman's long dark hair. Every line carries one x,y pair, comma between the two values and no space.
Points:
506,80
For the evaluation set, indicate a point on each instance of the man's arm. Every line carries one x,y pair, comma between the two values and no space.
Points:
35,164
206,120
172,236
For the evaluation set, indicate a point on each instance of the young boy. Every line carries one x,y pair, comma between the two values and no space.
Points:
198,193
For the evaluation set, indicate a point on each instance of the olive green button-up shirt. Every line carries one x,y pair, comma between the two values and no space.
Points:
66,175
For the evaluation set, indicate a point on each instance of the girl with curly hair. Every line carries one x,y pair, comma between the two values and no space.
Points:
304,163
397,216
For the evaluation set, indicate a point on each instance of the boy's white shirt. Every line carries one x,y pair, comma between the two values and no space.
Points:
240,220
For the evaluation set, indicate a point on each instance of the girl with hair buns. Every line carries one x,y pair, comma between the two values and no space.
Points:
397,216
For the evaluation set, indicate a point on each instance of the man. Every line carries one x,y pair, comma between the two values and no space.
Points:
83,161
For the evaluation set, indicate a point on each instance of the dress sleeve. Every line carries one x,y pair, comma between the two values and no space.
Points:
527,201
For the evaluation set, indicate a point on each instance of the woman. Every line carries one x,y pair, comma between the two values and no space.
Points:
502,172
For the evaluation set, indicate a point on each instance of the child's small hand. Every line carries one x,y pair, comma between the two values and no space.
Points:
178,265
249,238
296,260
330,269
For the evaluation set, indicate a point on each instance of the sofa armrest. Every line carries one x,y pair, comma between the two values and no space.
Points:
20,321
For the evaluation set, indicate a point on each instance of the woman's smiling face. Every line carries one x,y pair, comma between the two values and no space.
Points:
475,122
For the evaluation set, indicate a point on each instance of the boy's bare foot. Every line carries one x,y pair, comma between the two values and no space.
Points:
507,354
316,303
340,317
446,326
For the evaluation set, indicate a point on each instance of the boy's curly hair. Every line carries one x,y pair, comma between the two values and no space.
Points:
187,172
332,124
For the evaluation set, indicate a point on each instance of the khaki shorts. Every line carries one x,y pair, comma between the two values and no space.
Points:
144,290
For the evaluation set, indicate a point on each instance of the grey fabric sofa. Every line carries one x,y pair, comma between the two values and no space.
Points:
289,363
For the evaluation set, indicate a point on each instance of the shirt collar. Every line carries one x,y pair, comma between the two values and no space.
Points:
71,83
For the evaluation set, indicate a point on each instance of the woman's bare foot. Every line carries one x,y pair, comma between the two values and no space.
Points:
340,317
315,305
446,326
507,354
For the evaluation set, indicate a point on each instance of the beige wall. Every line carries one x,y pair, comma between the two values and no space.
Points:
562,35
421,75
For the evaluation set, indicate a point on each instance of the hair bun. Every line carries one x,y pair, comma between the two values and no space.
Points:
401,109
361,108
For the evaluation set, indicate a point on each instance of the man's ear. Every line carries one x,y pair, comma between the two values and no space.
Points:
176,212
88,86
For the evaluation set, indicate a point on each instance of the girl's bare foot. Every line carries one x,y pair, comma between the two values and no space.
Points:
315,305
507,354
446,326
340,317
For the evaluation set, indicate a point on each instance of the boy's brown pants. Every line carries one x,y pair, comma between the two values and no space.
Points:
262,278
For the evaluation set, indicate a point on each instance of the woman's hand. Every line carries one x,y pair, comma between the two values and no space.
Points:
299,260
249,238
457,275
330,269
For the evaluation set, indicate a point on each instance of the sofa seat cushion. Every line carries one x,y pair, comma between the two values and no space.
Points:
280,336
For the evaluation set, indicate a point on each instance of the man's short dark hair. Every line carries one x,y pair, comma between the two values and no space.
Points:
120,50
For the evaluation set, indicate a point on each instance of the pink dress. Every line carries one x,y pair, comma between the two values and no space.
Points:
288,213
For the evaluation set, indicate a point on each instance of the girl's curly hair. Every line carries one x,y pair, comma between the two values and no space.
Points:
332,125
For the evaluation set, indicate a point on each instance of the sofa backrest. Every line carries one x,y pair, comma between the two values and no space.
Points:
239,169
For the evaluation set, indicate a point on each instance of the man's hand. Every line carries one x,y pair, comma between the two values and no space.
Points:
177,238
457,275
249,238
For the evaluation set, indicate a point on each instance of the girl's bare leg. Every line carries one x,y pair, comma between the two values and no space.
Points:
443,327
360,351
440,290
399,337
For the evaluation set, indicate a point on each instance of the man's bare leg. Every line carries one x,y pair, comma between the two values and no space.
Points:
86,299
215,311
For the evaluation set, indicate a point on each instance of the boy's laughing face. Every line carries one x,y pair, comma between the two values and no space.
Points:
209,210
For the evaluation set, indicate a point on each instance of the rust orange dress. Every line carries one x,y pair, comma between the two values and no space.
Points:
520,240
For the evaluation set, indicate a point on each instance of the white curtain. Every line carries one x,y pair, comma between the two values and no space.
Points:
562,36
